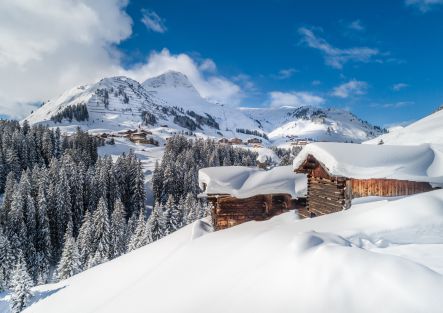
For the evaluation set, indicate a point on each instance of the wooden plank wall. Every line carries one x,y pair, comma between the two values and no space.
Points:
325,195
387,187
229,211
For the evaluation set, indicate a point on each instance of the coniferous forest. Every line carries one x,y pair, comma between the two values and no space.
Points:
65,209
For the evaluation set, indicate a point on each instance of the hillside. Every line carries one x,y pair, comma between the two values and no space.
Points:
388,252
426,130
169,103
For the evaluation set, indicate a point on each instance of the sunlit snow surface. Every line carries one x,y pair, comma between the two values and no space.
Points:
425,130
384,256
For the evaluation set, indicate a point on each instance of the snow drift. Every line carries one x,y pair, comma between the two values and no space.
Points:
383,256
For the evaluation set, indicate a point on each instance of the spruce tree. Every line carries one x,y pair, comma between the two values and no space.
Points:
6,261
101,234
69,263
42,238
85,241
21,284
118,230
138,238
155,225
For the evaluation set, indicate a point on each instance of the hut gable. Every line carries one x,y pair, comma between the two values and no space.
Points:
339,172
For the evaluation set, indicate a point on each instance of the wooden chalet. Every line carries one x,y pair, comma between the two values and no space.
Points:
235,141
240,194
223,141
339,172
140,137
254,141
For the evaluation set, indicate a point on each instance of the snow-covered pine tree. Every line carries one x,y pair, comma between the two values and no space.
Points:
183,212
155,225
6,261
139,237
101,234
15,225
85,241
21,284
118,230
69,263
5,207
42,239
173,216
192,208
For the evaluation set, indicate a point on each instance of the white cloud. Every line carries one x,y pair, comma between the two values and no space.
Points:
47,47
353,87
208,66
285,73
356,25
294,99
213,87
399,86
153,22
423,5
336,57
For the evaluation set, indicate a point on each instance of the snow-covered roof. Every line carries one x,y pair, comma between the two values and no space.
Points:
415,163
245,182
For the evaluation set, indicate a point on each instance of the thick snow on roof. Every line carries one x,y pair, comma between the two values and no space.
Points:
244,182
414,163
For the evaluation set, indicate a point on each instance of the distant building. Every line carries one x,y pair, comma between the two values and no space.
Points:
340,172
236,141
140,137
223,141
254,140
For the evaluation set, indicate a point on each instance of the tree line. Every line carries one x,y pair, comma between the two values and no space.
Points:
177,174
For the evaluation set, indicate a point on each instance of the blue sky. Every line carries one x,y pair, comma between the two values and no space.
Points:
379,59
265,43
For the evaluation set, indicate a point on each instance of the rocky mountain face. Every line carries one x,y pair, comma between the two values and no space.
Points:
171,101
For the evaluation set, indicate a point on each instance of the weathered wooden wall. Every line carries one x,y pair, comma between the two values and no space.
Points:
230,211
386,187
325,195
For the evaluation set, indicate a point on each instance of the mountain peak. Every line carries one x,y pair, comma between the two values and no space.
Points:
169,79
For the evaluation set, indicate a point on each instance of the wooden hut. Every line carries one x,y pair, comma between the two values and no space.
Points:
338,173
223,141
254,141
235,141
240,194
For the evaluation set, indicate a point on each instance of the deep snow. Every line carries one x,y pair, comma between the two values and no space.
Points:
383,256
245,182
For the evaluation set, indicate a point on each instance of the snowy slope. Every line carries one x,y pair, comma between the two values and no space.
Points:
384,256
116,103
113,104
426,130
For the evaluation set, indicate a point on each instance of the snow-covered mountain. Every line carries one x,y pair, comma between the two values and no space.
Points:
330,124
170,100
426,130
350,261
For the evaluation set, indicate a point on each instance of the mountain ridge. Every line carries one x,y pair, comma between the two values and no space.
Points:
172,101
